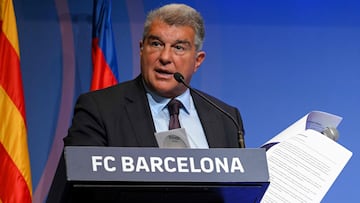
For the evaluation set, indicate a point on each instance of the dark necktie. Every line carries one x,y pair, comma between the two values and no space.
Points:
173,107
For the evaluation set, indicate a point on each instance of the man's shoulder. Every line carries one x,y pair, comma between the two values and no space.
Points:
126,89
213,99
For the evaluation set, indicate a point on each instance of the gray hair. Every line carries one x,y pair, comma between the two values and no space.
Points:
178,14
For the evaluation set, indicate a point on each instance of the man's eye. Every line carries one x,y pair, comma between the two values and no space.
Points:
155,43
179,48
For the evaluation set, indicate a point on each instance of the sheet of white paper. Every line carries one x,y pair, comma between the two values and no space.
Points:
303,167
303,163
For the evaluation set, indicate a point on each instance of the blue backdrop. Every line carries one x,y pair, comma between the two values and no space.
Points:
274,60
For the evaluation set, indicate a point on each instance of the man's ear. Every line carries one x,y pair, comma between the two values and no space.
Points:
200,57
141,46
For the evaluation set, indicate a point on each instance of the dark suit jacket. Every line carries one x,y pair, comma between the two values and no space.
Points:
120,116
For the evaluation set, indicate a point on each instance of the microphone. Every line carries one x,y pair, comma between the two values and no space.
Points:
180,78
331,133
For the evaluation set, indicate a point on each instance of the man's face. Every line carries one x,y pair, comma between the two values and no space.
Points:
165,51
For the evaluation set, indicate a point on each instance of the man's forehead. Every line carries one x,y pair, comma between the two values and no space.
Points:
172,34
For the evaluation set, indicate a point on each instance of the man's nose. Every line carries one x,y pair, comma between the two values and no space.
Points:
165,55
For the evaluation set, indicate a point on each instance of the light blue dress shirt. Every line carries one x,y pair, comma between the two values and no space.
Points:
188,117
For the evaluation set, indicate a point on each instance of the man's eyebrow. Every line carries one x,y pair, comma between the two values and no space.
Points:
179,41
183,42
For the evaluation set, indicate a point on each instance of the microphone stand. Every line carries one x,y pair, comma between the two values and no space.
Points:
178,77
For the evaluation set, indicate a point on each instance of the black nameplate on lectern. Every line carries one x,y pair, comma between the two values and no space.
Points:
121,174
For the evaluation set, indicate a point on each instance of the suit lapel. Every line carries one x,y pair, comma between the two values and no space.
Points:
139,114
211,121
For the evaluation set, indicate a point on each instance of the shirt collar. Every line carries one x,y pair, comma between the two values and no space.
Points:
158,103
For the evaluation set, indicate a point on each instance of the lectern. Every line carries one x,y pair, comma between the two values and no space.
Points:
116,174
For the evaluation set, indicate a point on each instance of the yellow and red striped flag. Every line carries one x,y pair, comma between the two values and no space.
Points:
15,173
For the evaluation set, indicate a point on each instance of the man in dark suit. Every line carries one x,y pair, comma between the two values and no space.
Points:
128,114
124,115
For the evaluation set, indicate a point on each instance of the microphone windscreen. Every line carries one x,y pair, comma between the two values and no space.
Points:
178,77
